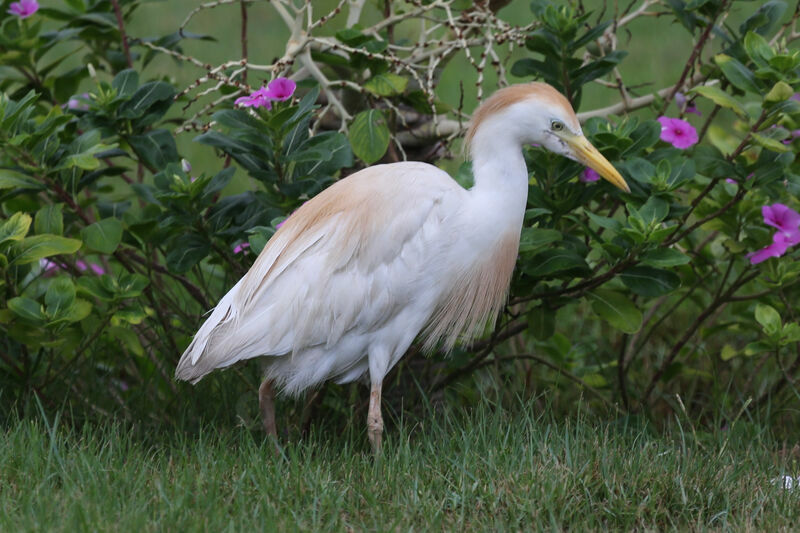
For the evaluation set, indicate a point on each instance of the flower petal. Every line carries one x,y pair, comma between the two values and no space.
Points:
781,217
281,88
589,175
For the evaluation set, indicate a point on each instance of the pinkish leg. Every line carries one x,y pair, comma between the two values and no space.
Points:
374,418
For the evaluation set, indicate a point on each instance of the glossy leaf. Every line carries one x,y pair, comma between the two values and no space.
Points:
60,296
650,282
369,135
769,318
50,219
103,236
15,227
32,249
617,310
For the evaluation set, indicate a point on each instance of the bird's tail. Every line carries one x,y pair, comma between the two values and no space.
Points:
207,350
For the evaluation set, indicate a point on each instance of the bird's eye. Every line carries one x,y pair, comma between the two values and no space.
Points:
557,125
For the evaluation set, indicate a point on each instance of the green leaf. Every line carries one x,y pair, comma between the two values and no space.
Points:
617,310
353,36
605,222
133,316
535,238
556,261
765,18
665,257
86,157
654,210
131,285
727,353
11,180
156,148
720,98
145,97
127,339
780,91
790,334
770,144
755,348
31,249
369,135
644,136
758,49
738,74
103,236
648,281
769,319
15,227
94,286
542,322
78,311
27,309
186,252
126,82
386,84
49,219
60,296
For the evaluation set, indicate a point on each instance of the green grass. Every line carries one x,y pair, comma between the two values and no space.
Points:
488,469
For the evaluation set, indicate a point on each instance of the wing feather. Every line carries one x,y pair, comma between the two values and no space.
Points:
338,264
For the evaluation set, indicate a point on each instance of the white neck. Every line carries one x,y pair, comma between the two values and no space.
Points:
501,177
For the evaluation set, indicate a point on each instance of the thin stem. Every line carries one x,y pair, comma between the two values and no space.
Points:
123,36
243,5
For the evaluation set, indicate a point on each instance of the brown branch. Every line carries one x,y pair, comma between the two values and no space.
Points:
191,288
243,5
121,25
707,312
696,51
675,236
581,287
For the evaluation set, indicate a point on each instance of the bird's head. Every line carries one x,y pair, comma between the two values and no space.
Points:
536,113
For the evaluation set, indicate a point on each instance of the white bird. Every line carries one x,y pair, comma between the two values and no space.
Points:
388,254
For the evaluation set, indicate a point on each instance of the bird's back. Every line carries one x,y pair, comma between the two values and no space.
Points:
371,248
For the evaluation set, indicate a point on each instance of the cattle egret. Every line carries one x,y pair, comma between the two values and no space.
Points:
388,254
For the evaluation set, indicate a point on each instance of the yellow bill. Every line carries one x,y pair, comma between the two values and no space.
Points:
592,158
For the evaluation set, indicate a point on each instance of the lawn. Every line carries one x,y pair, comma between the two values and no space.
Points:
488,469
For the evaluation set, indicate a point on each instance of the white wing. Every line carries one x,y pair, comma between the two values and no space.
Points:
347,261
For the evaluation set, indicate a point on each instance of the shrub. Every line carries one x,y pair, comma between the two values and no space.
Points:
112,246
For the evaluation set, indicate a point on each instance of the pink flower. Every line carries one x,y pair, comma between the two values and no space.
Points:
278,90
787,221
281,89
49,267
793,134
677,132
241,248
684,107
730,180
80,102
83,267
781,217
780,243
588,175
260,98
24,8
795,97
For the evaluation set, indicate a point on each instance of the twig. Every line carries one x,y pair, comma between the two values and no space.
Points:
124,37
698,48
